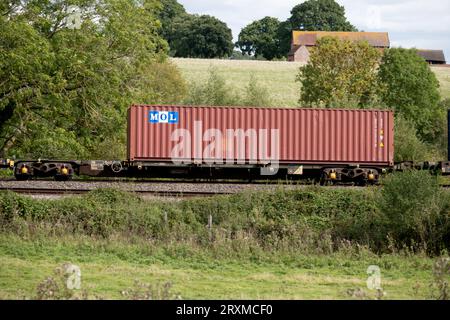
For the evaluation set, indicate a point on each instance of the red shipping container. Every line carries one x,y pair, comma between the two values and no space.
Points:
241,134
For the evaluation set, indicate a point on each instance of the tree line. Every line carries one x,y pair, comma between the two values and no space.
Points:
203,36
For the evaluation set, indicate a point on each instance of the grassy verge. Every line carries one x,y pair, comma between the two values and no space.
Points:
109,267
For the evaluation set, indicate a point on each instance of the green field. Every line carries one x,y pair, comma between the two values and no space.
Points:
443,75
110,267
277,77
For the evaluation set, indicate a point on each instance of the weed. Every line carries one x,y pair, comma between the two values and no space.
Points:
441,276
143,291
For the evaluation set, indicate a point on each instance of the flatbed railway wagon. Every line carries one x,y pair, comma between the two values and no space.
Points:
246,143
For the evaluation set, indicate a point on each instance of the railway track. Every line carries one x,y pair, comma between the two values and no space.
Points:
163,181
70,192
166,189
48,188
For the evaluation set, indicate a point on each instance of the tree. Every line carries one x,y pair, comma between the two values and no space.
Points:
340,74
320,15
312,15
65,85
170,9
261,38
168,13
201,37
284,36
412,90
407,146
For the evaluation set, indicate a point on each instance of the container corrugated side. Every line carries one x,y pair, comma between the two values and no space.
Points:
306,136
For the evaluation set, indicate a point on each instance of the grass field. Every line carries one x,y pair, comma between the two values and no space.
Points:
277,77
443,75
108,268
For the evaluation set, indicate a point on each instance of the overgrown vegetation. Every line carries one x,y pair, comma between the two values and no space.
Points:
416,211
409,147
409,212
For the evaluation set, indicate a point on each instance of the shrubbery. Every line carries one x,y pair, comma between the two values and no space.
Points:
411,211
407,145
416,210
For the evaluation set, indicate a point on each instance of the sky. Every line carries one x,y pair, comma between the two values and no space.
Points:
422,24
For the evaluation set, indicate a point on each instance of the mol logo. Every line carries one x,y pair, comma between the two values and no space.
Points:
163,117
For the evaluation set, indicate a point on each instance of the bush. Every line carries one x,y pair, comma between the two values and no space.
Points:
311,220
256,95
408,147
415,210
216,92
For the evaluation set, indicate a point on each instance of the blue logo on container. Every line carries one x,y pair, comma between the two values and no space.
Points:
163,117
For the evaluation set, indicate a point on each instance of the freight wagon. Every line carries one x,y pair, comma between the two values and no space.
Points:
246,143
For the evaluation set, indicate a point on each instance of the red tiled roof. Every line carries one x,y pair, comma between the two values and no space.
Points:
309,38
432,55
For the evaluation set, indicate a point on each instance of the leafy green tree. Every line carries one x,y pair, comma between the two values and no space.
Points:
340,74
66,81
170,9
284,36
412,90
168,13
312,15
260,38
201,37
320,15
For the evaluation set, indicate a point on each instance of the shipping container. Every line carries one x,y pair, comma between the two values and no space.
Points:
239,135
